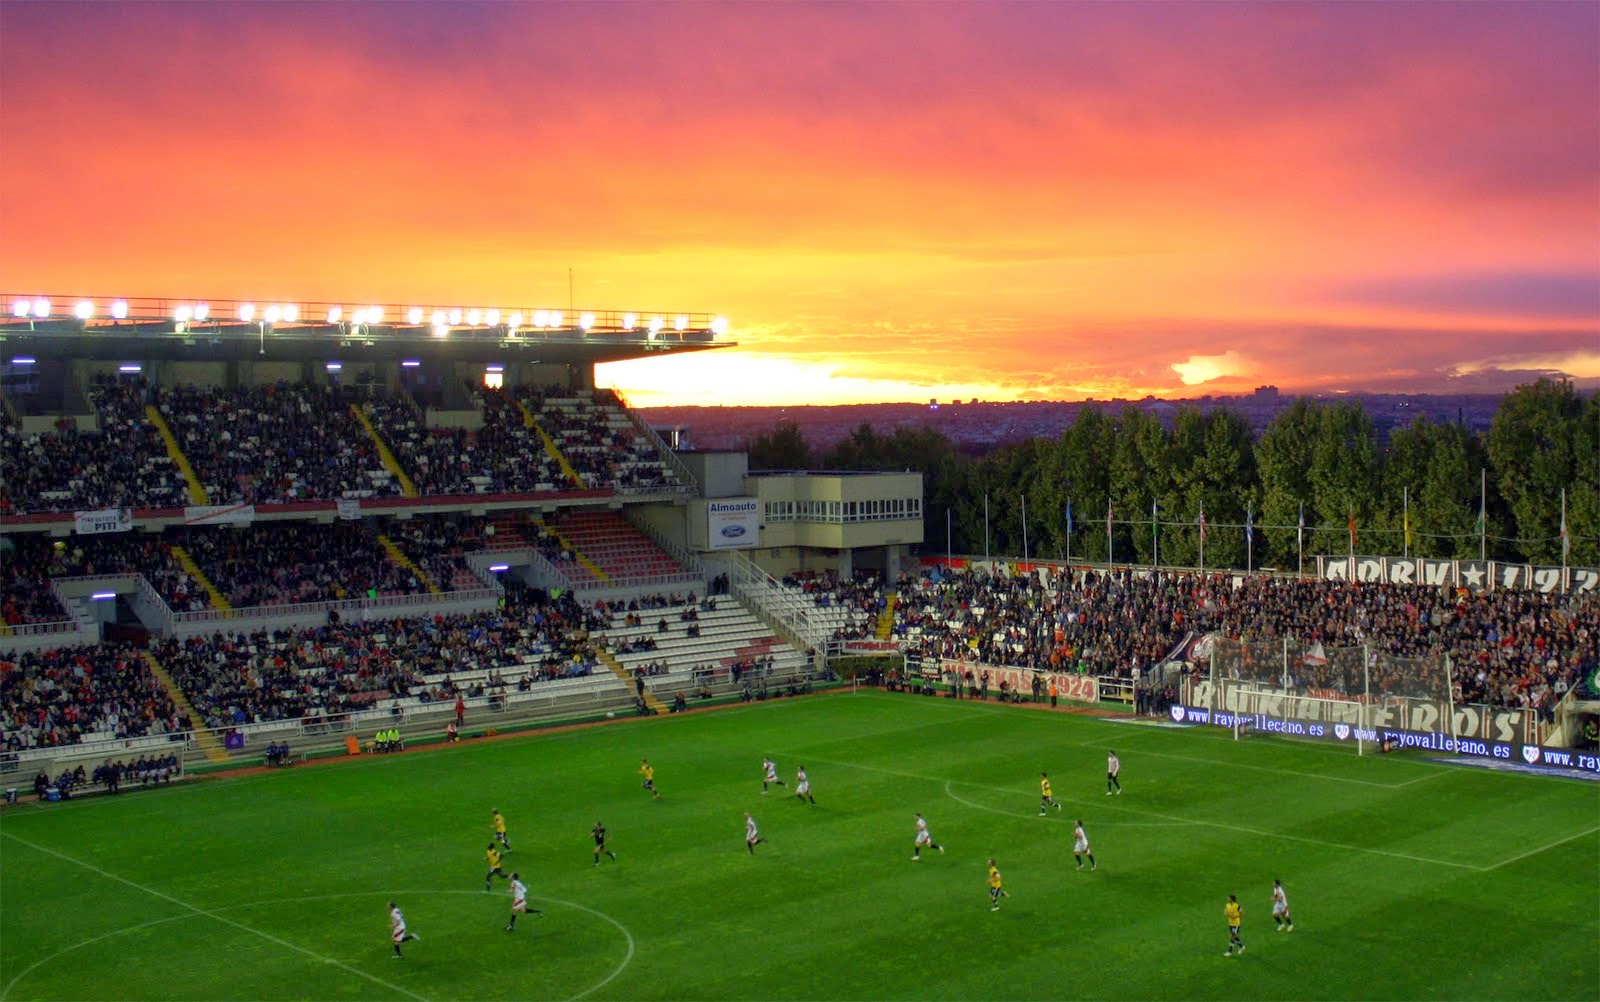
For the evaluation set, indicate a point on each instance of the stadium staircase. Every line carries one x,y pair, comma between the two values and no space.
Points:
886,616
218,600
214,751
385,454
398,557
550,447
197,493
650,700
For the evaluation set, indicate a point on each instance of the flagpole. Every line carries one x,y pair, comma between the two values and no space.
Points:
1249,538
1300,542
1109,560
986,529
1068,560
1405,522
1202,540
1155,534
1024,528
949,546
1483,513
1564,537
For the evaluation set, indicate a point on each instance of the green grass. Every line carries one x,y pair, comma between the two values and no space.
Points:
1408,879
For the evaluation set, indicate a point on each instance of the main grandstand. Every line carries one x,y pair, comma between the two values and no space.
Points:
226,523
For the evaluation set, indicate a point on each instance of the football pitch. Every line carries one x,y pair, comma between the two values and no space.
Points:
1407,879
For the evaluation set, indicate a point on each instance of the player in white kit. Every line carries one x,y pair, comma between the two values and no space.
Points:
770,774
802,786
923,839
752,837
1080,846
519,901
1280,908
397,929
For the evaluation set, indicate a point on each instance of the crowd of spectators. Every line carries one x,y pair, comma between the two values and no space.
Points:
277,443
65,695
1509,648
594,433
122,463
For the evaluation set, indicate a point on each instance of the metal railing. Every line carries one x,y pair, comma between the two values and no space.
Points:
677,465
382,602
776,605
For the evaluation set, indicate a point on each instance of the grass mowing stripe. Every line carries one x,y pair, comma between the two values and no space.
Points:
213,915
1173,817
1543,848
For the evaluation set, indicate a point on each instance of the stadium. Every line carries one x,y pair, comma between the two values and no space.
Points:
300,597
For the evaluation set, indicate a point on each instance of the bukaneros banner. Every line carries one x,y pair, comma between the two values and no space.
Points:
733,523
871,647
1491,733
349,508
1078,688
90,523
219,514
1477,575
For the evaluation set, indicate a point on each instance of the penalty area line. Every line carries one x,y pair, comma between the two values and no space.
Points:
214,916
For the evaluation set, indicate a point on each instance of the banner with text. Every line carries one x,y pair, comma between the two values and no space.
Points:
733,523
349,508
1477,575
91,523
219,514
1078,688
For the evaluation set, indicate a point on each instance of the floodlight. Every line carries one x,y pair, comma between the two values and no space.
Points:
85,310
271,314
586,321
246,312
474,316
22,360
492,318
374,315
414,315
719,325
291,314
183,314
438,318
630,321
410,363
119,309
130,367
200,310
494,368
20,308
556,319
515,321
41,308
681,323
441,330
455,317
334,366
656,323
334,313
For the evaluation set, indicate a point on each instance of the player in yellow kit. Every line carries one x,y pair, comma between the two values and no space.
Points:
498,822
493,857
649,773
1045,800
1234,914
996,892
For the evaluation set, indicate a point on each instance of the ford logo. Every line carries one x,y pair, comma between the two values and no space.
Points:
733,531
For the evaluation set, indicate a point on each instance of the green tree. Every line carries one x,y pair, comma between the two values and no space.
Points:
783,448
1533,443
1283,461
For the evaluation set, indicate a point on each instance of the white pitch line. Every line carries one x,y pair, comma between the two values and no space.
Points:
1281,772
1543,848
1173,817
213,915
958,798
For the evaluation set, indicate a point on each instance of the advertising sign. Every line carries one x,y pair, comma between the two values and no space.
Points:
91,523
733,523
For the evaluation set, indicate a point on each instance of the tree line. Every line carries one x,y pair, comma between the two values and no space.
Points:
1434,490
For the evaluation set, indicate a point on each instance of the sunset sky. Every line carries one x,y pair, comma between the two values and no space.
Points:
889,201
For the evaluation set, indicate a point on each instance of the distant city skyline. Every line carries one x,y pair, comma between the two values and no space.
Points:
890,202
